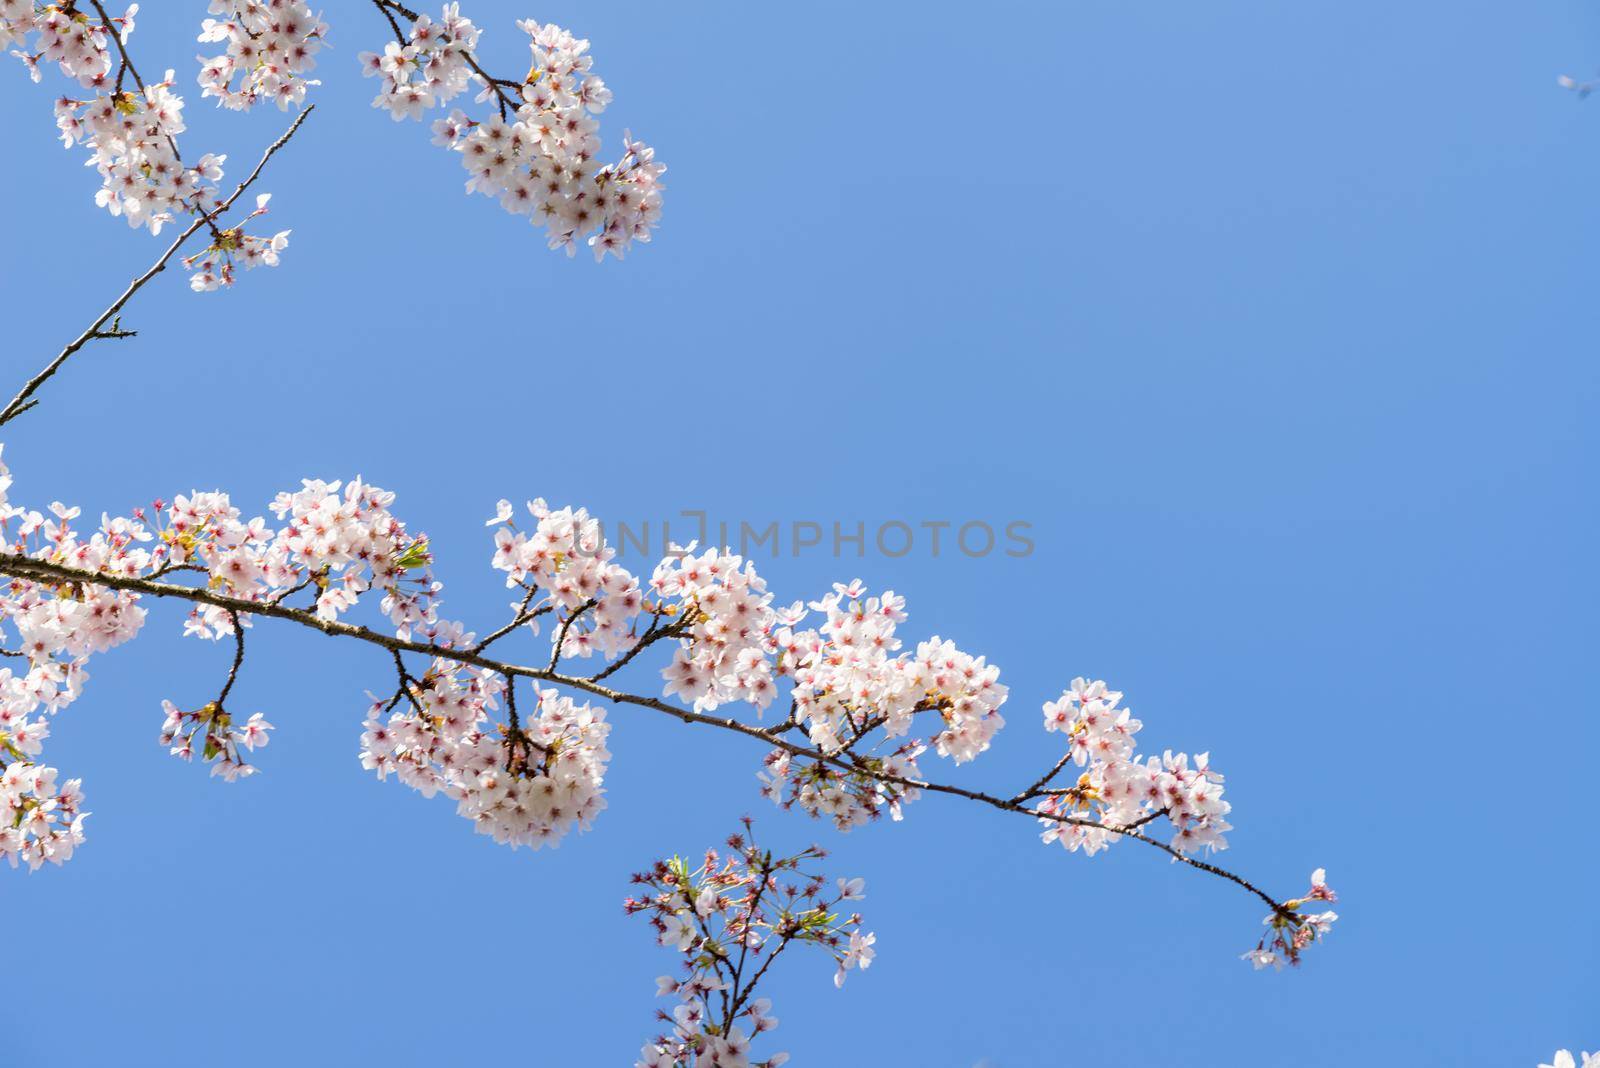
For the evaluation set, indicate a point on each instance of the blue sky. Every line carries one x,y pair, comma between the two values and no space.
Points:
1275,322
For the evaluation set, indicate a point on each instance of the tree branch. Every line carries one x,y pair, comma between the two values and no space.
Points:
22,402
238,659
35,570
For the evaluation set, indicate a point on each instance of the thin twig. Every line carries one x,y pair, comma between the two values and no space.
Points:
1044,780
522,616
22,402
566,625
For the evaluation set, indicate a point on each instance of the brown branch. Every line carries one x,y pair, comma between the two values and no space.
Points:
522,616
405,685
238,658
127,61
566,625
33,570
22,402
1044,780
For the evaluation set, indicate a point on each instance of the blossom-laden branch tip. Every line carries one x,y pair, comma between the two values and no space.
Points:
536,154
1290,930
132,132
730,917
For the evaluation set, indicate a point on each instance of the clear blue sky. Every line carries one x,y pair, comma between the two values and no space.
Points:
1275,320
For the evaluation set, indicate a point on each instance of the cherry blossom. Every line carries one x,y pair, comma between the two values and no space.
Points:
217,264
56,634
65,37
1564,1059
847,680
222,739
1290,931
537,155
132,138
850,681
528,776
39,820
565,566
1583,89
131,134
725,644
524,783
730,918
270,46
1117,790
851,796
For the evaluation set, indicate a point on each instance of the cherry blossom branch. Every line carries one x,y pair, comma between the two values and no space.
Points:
22,401
388,8
537,155
763,903
38,570
125,66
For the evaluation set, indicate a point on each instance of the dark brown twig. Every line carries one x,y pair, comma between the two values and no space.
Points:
238,658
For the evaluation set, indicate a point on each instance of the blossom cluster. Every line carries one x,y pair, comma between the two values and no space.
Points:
1583,89
222,739
132,135
849,796
432,67
566,559
57,629
719,607
1290,931
850,679
734,646
730,918
724,652
847,680
39,820
334,545
132,140
217,264
537,157
337,543
270,46
1118,790
66,37
524,783
1564,1059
